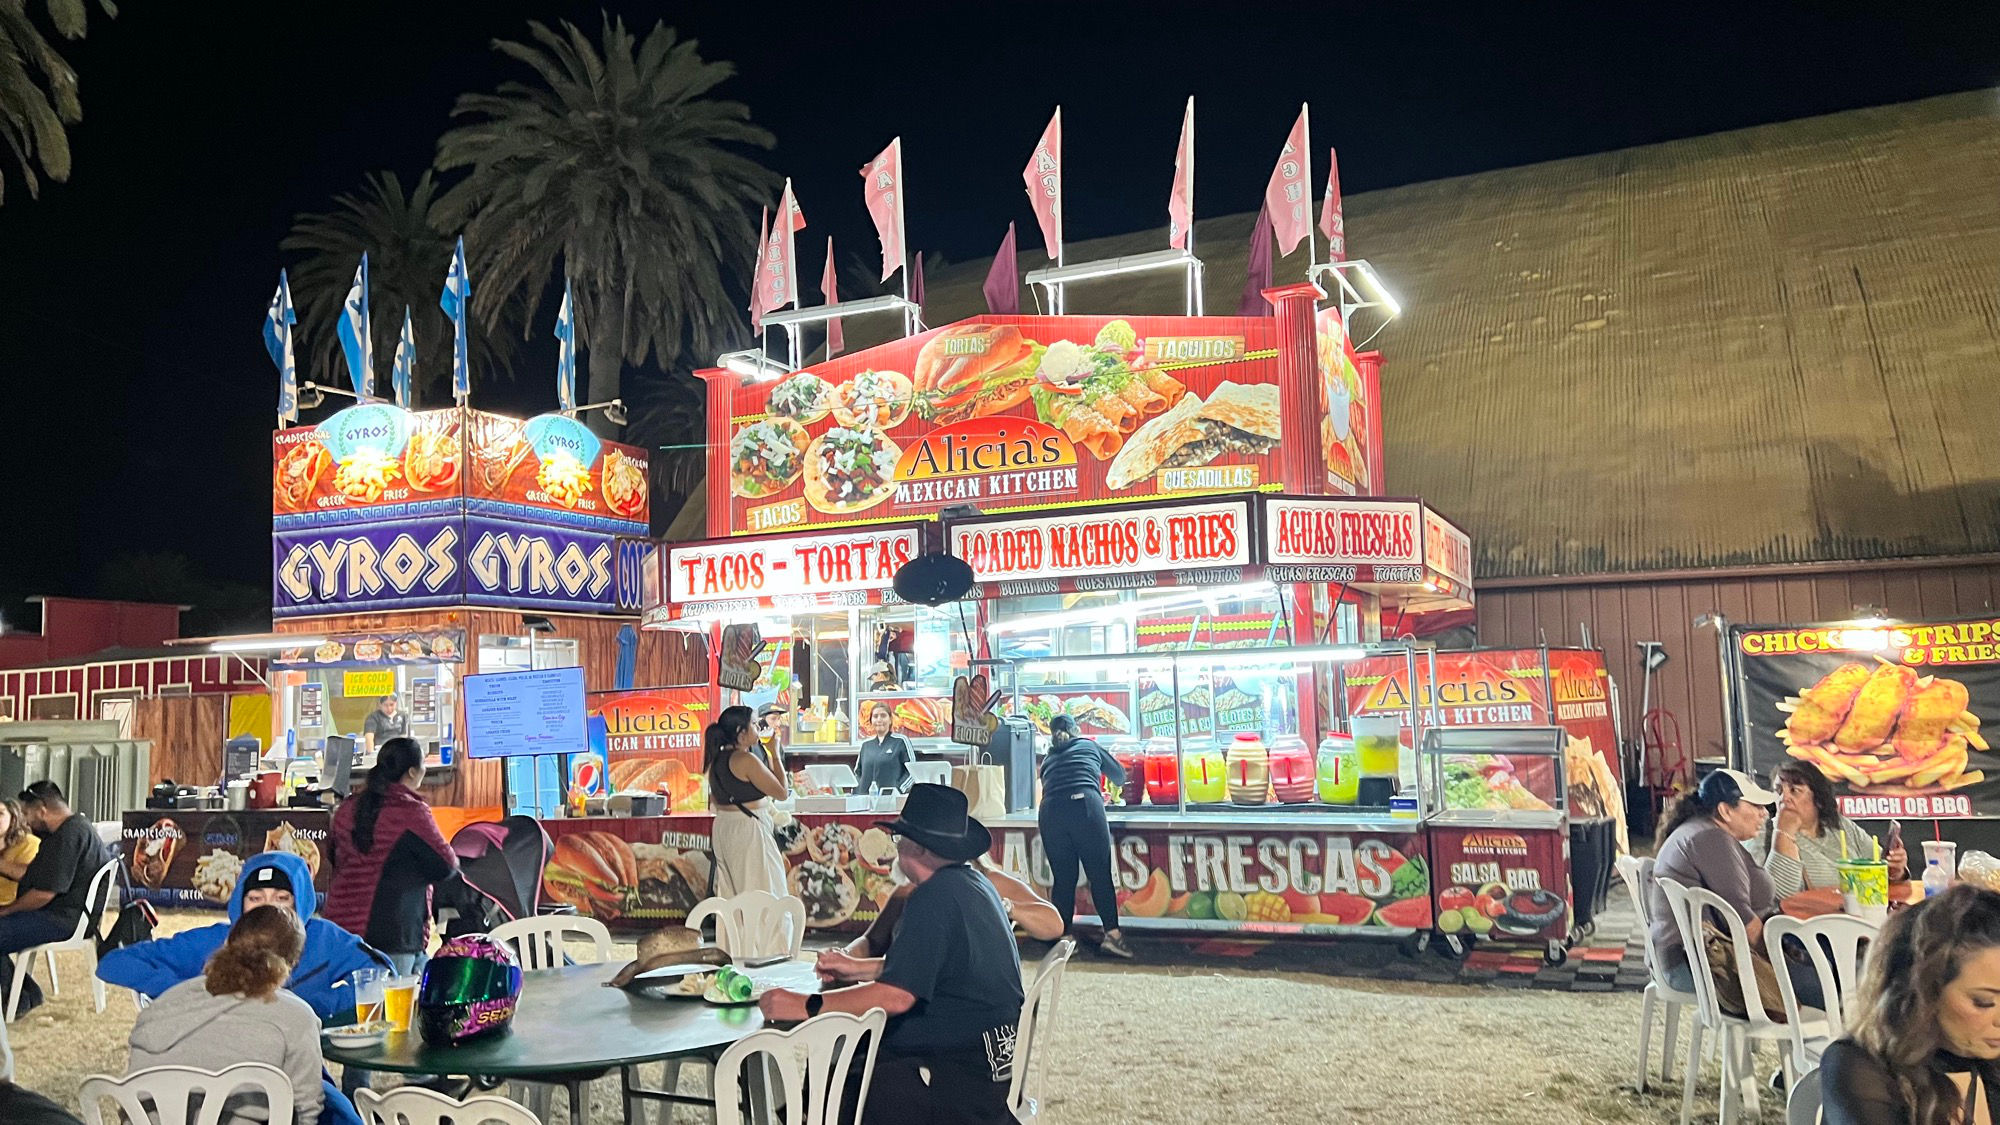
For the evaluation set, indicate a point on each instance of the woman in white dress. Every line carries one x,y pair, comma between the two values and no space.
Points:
741,788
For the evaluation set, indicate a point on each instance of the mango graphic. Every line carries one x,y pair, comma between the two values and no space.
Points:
1178,905
1151,900
1261,906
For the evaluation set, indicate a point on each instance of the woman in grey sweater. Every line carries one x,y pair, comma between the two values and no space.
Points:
238,1011
1806,837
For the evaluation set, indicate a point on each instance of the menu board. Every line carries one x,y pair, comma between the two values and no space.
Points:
312,705
512,714
423,701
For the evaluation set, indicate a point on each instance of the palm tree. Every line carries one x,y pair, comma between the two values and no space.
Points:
408,254
618,163
38,94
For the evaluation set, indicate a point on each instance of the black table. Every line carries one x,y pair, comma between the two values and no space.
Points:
568,1023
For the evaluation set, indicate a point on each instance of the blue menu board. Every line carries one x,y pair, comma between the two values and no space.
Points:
511,714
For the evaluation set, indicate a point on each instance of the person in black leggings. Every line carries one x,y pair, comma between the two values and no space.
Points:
1074,831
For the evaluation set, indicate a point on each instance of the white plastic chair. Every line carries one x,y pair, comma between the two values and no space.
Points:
754,924
414,1105
6,1055
807,1067
1803,1107
1038,1010
83,941
169,1088
1833,942
538,941
1738,1035
1638,874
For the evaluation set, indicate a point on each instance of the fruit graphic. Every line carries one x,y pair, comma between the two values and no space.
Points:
1476,922
1201,904
1347,909
1302,903
1492,907
1265,907
1410,913
1451,921
1454,898
1177,906
1149,901
1230,906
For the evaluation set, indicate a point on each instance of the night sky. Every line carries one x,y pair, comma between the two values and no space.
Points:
139,398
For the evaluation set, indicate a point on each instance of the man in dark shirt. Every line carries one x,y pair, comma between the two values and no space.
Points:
951,981
55,886
384,723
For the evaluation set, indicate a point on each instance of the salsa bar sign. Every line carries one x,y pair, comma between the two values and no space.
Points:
741,574
1115,547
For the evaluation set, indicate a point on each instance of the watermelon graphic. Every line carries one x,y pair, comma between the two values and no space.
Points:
1352,910
1409,914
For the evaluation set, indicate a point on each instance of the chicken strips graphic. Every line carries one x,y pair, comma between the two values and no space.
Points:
1885,729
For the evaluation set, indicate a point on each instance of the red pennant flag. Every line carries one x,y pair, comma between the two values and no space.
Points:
1003,280
882,188
828,284
1330,222
1253,302
757,275
1043,175
1289,192
780,281
917,282
1180,200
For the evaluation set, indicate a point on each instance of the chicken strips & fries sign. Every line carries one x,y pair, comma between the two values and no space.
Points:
1894,715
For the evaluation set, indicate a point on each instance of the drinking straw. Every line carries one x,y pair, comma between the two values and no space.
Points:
1843,847
1878,847
1937,830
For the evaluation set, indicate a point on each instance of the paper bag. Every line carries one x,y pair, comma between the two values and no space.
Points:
985,789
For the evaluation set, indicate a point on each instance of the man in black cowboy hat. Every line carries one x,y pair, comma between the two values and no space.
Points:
951,983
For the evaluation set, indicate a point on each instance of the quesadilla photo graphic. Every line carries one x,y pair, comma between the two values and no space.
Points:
1235,418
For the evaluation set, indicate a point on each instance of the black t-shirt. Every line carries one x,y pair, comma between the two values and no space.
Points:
1856,1089
884,763
70,856
385,727
954,951
22,1106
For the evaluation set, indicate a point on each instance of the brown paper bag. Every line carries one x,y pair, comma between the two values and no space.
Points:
985,789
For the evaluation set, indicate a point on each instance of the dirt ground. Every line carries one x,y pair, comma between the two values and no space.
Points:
1160,1044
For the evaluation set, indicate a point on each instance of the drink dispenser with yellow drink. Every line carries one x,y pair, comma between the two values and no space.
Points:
1378,749
1203,779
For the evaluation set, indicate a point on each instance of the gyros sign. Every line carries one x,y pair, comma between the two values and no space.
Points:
1174,537
764,568
439,563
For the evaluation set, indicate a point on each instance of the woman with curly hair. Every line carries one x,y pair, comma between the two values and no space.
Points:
1924,1045
18,847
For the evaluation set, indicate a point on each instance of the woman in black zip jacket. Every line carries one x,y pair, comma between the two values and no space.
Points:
1074,831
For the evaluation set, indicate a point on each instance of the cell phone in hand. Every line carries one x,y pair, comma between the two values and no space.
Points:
1895,836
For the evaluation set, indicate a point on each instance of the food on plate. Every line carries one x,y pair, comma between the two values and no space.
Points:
656,775
1097,393
670,881
291,655
1148,449
299,472
444,647
564,478
287,838
367,476
801,396
766,457
592,871
1235,418
329,651
156,851
1891,731
693,984
922,718
497,453
406,648
1486,781
877,849
1234,698
790,835
827,890
850,470
1097,712
835,843
1196,696
974,370
215,875
878,399
368,648
1041,709
430,461
624,483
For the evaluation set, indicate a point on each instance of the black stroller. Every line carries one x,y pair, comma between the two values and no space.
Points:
499,876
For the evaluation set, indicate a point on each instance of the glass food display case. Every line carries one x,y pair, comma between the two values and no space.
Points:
1500,835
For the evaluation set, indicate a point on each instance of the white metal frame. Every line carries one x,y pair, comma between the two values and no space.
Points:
792,320
1356,286
1054,279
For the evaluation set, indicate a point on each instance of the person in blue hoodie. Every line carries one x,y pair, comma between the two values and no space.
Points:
331,953
268,879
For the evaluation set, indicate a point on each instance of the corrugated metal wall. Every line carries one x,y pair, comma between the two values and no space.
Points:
1620,614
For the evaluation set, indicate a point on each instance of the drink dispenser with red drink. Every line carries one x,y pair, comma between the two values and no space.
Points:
1163,772
1293,772
1129,756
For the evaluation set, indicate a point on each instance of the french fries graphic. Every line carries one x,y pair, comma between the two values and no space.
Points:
1885,729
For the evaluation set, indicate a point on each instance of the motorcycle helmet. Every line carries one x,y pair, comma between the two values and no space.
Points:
469,991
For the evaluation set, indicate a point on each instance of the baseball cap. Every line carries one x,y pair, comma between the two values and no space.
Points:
269,877
771,709
1726,787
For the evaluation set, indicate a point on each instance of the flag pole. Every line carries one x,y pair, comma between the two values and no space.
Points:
910,318
1305,117
1192,272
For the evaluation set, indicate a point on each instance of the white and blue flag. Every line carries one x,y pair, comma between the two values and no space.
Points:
566,354
278,321
456,300
406,357
354,338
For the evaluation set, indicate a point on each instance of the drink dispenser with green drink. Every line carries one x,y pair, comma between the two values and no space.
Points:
1378,749
1339,770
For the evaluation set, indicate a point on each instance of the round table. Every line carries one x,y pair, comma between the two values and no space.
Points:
1815,901
568,1022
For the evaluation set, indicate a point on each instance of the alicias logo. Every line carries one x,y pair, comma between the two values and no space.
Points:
986,445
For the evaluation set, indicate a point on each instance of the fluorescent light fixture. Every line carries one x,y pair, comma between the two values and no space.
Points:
753,364
1132,610
265,644
1195,661
1107,267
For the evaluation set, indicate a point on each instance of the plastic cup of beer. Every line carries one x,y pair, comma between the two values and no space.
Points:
368,1000
1864,888
399,999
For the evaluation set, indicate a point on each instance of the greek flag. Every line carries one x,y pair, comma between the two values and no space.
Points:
354,339
278,321
406,357
456,300
565,355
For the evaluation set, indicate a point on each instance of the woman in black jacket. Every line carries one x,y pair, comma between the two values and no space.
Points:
1074,831
1924,1046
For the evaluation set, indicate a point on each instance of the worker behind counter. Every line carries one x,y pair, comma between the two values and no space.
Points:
385,722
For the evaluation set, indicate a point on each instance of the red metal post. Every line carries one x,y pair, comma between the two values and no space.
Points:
1298,388
721,398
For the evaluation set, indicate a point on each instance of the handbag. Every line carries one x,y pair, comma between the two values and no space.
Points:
1721,954
985,787
135,922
